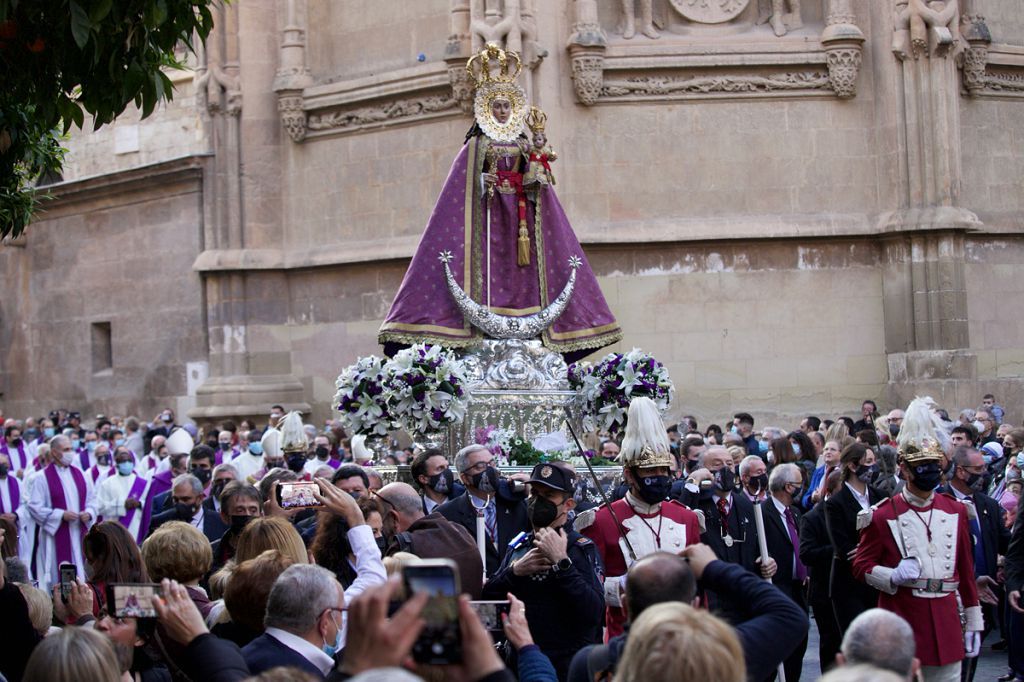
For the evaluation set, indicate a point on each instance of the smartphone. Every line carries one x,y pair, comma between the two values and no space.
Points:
297,494
440,642
490,612
132,600
68,575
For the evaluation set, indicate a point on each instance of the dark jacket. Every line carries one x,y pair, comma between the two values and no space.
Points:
565,610
740,549
511,520
816,552
211,659
1014,557
995,536
17,636
780,548
265,652
772,625
213,526
435,537
850,596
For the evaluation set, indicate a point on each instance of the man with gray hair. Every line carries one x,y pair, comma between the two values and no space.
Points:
882,639
303,623
187,505
781,529
429,536
486,496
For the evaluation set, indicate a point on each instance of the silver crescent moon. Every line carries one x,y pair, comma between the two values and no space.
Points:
504,326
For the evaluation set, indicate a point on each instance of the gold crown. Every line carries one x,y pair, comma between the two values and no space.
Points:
649,456
479,65
536,120
926,451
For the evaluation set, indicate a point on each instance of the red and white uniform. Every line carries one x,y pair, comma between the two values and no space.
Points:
667,526
899,528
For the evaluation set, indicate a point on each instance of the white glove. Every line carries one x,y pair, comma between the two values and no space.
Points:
908,570
972,643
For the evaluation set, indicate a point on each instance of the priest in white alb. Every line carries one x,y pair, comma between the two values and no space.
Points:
61,504
123,496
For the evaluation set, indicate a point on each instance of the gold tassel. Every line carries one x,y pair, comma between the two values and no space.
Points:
524,244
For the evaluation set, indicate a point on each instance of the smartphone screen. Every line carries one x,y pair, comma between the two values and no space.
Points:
132,600
490,613
440,642
68,574
297,494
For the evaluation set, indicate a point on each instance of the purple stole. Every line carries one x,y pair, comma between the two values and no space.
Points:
136,494
333,463
58,501
15,492
83,456
218,457
161,483
22,462
96,471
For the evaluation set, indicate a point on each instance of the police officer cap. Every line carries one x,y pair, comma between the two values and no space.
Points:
555,475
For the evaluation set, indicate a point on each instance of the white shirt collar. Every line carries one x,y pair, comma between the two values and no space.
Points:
781,508
862,500
959,495
197,519
915,501
311,653
642,507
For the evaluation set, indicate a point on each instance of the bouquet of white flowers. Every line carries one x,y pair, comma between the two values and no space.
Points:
361,399
425,388
606,388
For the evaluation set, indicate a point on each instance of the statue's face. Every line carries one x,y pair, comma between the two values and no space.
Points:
539,140
501,110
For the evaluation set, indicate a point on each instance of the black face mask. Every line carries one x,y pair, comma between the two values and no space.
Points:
322,452
542,512
225,446
202,474
486,481
238,523
103,460
654,489
927,476
15,442
691,465
4,468
894,430
724,480
976,482
218,487
297,462
184,512
274,463
867,474
441,483
382,543
759,483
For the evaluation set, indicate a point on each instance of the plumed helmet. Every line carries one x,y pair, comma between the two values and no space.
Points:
361,453
179,443
293,435
918,441
645,443
271,443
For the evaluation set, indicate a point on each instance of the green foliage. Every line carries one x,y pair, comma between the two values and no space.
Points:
61,59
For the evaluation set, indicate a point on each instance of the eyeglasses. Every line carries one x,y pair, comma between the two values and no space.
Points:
478,467
383,499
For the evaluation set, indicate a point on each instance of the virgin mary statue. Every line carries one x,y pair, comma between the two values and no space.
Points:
508,243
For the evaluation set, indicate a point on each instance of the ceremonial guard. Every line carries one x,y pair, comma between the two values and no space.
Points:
643,521
915,548
554,570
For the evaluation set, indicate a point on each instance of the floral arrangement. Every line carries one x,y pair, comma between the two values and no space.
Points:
424,388
606,388
497,441
361,398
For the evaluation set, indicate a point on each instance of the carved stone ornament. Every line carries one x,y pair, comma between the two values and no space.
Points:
710,11
662,87
843,67
462,86
975,57
293,116
927,28
588,74
843,42
395,111
503,326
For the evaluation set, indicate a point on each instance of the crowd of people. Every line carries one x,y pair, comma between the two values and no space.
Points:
710,558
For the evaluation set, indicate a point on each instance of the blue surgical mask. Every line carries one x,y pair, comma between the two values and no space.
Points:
331,649
48,433
734,429
90,446
1020,461
796,448
76,444
256,448
125,468
762,446
119,442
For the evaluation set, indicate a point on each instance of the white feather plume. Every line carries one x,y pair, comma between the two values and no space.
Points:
918,431
293,436
643,427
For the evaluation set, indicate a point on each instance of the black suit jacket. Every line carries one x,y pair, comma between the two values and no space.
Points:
265,652
1015,557
841,511
511,520
213,526
780,548
741,528
816,552
995,536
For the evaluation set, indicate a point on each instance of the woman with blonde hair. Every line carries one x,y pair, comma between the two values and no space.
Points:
73,655
674,641
270,532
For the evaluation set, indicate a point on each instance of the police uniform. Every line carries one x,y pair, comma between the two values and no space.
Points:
564,604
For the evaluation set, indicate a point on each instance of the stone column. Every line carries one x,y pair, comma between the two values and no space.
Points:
925,302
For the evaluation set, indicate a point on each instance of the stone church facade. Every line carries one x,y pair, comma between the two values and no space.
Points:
795,204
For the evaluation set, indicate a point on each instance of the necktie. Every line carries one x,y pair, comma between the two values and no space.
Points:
491,521
723,511
799,570
980,565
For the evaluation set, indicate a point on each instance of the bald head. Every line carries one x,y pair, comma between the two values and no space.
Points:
402,503
657,578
